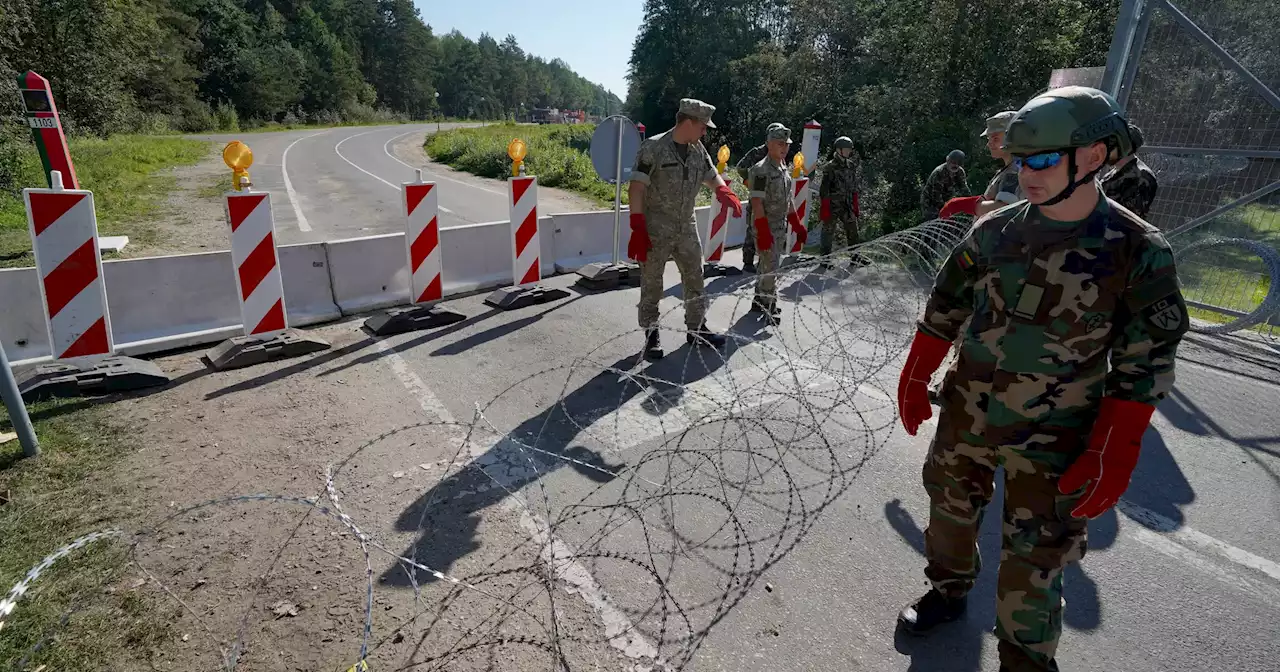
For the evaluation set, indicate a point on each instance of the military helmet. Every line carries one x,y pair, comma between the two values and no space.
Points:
1071,116
844,142
956,156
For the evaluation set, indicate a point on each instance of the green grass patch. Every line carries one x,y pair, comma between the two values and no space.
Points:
124,173
48,501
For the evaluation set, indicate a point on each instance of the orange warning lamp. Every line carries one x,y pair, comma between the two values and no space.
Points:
238,158
517,150
722,157
797,165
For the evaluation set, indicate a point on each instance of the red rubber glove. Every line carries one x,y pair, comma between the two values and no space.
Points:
725,195
926,355
802,234
638,246
764,237
1114,445
967,205
857,211
825,212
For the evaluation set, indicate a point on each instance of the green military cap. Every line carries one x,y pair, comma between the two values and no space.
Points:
780,133
999,123
772,126
698,110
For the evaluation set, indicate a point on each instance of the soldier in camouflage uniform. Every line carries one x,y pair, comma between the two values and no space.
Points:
839,194
1003,189
1131,183
670,169
946,181
771,189
751,158
1076,315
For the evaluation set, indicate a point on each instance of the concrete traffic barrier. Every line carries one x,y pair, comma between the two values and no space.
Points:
526,251
64,239
259,288
426,282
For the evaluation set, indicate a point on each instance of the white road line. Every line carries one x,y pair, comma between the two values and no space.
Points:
1194,538
434,174
337,151
288,185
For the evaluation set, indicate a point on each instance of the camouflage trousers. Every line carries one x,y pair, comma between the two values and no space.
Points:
748,245
1040,535
685,249
847,222
767,267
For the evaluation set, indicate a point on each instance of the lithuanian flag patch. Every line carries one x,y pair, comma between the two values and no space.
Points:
965,260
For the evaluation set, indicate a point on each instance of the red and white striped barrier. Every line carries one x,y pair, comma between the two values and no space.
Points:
525,245
64,236
800,201
257,264
719,227
422,217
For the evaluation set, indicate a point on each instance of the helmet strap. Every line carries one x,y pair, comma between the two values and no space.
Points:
1073,184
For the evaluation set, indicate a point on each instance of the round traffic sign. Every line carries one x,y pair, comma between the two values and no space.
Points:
604,148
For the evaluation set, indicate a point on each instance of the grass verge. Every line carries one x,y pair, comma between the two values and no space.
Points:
124,173
49,501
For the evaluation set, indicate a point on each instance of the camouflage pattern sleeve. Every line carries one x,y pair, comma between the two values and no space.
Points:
646,158
709,173
1155,319
951,301
756,180
824,187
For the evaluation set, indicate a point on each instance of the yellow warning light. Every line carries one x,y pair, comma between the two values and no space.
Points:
238,158
797,165
722,157
517,150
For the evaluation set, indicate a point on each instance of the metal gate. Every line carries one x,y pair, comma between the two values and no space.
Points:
1199,78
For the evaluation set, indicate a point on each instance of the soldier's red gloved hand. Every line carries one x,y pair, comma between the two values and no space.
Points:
802,234
1106,466
925,356
764,237
857,211
638,246
967,205
730,199
824,213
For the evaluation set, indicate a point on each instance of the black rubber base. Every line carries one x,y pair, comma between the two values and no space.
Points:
242,351
715,270
604,276
798,258
411,318
514,298
88,375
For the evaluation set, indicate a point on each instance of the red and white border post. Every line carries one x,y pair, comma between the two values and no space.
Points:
809,144
426,271
526,250
64,238
800,201
717,234
259,287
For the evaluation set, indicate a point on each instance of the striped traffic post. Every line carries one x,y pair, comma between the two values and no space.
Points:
426,272
258,280
64,239
718,228
800,201
526,245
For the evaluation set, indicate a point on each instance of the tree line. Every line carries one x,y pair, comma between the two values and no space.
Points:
197,65
907,80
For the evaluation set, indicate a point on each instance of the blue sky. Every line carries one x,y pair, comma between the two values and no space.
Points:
593,36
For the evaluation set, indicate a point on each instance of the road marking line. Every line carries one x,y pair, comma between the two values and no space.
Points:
288,185
1188,536
337,151
435,174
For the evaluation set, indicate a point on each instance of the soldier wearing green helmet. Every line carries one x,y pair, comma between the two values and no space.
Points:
1075,314
839,194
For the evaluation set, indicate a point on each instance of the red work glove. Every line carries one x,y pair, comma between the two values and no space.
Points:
926,355
825,212
802,234
857,211
764,237
638,246
967,205
1113,450
725,195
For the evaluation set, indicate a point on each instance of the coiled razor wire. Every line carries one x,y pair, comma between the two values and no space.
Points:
688,501
1269,305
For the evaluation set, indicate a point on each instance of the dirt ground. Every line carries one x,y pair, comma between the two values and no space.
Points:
192,217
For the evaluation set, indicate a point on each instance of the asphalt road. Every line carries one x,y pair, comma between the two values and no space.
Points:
345,182
788,537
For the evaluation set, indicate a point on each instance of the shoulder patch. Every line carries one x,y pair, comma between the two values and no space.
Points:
759,182
1167,315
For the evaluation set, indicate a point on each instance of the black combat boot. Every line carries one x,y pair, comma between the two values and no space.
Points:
705,337
652,344
930,611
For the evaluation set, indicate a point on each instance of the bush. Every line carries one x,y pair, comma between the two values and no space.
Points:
225,118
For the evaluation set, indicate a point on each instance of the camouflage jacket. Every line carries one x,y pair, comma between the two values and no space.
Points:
1133,186
1004,186
672,182
751,158
840,182
942,186
772,183
1052,305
